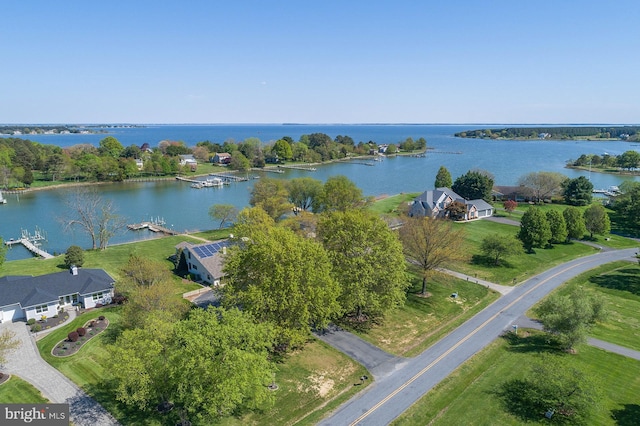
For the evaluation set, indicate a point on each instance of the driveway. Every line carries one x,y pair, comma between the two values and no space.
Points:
379,363
26,363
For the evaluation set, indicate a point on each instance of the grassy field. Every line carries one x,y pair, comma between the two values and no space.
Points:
409,330
311,381
467,397
17,391
520,267
391,206
618,283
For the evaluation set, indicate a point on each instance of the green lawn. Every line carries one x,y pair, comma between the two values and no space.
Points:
17,391
520,267
467,397
618,283
391,206
422,321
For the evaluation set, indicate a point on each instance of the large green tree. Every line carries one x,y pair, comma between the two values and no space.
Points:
110,146
552,387
282,149
596,220
340,194
443,178
304,192
430,244
283,278
534,229
475,184
497,247
574,221
221,364
569,317
367,260
578,191
628,205
272,196
223,212
557,226
211,365
149,288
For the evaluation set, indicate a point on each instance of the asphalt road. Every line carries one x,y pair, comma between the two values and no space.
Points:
391,395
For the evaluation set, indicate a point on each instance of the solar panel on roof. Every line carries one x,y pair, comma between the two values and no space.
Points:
209,250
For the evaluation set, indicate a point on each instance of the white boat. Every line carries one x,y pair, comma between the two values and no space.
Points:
212,182
2,199
197,185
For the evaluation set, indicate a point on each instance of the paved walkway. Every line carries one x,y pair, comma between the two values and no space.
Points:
27,363
502,289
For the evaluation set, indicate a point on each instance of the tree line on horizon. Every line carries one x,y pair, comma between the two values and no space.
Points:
630,133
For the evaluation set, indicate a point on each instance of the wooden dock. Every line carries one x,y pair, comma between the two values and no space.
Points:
226,177
308,168
268,169
153,227
31,247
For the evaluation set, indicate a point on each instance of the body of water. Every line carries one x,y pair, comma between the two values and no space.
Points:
184,208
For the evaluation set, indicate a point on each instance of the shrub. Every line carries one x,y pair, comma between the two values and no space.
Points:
119,299
92,323
31,321
73,336
81,331
35,328
101,317
98,305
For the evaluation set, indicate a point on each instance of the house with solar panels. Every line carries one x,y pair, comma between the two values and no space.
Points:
205,261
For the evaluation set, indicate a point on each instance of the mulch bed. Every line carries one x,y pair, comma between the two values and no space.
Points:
67,348
4,377
50,322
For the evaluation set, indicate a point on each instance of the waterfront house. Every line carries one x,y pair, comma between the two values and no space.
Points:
204,261
25,297
139,163
434,204
187,160
221,158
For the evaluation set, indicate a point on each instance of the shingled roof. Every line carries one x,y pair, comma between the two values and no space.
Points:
30,291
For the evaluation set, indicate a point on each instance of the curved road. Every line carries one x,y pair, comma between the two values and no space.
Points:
392,394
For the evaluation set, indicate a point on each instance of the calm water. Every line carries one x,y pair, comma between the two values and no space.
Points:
184,208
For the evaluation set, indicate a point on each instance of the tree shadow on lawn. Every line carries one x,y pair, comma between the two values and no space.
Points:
627,416
528,341
622,279
488,262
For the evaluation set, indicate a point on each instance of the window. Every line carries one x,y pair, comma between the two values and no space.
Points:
96,296
42,308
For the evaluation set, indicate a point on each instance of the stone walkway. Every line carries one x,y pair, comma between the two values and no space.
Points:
26,363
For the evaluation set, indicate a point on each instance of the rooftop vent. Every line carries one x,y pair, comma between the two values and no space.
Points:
73,270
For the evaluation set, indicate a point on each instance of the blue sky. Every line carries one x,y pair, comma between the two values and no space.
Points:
512,61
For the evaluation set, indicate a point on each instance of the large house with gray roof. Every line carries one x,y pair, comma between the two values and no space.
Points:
24,297
434,204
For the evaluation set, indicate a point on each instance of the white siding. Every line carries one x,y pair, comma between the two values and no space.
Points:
50,310
12,313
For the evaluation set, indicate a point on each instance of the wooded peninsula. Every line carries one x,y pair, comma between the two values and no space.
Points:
629,133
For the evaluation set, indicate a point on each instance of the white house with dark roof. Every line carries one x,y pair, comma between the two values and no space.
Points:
205,261
25,297
434,204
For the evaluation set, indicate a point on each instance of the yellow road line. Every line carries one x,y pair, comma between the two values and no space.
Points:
454,347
